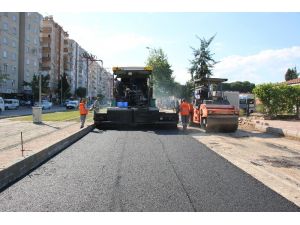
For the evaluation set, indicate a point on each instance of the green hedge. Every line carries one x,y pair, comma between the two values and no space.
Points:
279,98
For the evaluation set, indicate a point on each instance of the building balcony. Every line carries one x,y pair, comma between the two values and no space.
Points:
46,59
45,40
45,68
46,49
47,29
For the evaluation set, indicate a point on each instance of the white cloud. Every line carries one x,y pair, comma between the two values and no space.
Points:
266,66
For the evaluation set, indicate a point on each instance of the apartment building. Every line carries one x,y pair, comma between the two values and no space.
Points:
54,43
29,49
19,51
78,67
9,52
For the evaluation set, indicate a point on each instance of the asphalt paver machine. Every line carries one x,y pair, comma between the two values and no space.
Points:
133,104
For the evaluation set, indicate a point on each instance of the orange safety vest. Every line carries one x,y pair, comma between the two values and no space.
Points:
82,109
191,107
184,109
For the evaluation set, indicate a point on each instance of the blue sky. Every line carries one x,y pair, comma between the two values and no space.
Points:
258,47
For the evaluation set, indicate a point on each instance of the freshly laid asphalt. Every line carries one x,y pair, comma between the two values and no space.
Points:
140,171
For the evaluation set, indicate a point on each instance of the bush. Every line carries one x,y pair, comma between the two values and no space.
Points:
278,98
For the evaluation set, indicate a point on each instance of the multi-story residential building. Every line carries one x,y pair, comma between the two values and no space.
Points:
20,51
29,49
78,67
9,52
106,84
94,73
54,52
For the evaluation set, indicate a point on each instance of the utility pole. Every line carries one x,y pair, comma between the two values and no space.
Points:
91,58
40,89
61,91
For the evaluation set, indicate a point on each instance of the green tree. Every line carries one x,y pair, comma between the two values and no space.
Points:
203,62
81,92
3,77
64,84
243,87
34,85
163,80
291,74
279,98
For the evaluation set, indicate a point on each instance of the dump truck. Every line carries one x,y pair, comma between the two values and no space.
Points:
211,110
133,104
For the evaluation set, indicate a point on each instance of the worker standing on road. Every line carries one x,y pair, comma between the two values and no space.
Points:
191,113
96,105
184,113
83,112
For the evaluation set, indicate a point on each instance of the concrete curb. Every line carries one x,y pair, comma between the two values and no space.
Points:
265,127
20,169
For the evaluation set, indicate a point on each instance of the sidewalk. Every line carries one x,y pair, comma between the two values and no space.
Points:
40,142
287,128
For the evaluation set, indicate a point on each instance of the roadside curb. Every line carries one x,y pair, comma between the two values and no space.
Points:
279,131
267,128
23,167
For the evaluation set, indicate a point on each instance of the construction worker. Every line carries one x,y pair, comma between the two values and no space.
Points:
191,113
83,112
96,105
184,113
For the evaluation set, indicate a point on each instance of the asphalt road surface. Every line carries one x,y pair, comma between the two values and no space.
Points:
140,171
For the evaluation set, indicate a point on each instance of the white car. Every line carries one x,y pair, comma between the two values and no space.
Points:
46,104
72,104
2,106
11,103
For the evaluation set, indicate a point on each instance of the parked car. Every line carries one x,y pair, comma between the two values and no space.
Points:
45,104
2,106
66,102
11,103
72,104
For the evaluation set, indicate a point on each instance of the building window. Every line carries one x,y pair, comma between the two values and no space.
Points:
5,40
5,68
27,61
27,49
34,63
14,18
14,56
4,54
35,41
5,26
14,44
28,26
14,30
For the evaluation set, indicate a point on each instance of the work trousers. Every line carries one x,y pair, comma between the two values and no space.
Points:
184,121
82,120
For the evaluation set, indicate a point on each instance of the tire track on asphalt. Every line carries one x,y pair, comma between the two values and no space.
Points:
116,204
177,175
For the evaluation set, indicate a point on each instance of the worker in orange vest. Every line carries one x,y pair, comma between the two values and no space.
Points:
191,113
83,112
184,113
